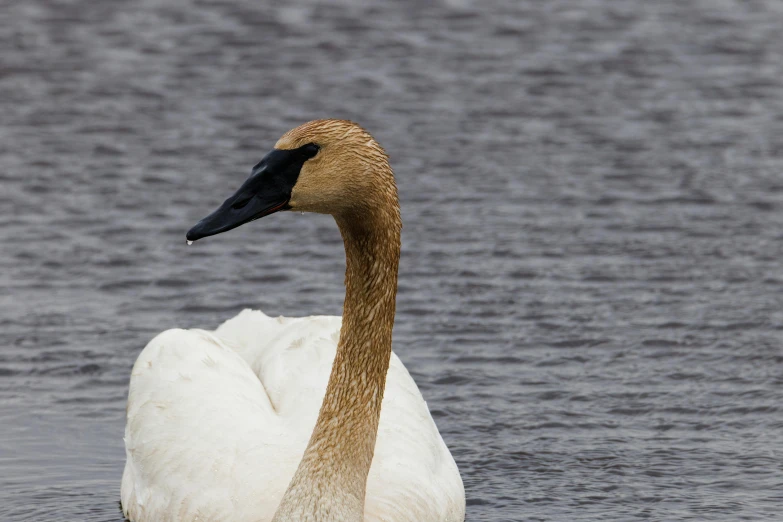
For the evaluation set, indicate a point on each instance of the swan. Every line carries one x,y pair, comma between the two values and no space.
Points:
294,419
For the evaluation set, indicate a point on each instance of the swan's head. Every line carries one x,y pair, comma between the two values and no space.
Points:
325,166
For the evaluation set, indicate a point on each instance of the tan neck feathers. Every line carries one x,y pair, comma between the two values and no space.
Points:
337,460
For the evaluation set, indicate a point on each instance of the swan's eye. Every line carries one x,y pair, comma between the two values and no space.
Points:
310,150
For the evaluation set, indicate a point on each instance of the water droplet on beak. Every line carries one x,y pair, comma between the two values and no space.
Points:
190,242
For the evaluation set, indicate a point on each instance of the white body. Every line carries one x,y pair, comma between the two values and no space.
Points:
217,423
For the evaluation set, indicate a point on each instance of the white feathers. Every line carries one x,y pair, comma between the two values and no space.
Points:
218,421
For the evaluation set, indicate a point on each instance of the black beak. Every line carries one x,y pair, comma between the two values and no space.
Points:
266,191
254,199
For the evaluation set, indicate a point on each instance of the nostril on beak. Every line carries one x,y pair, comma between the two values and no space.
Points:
241,201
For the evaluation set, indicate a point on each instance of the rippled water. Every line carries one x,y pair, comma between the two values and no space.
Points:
591,280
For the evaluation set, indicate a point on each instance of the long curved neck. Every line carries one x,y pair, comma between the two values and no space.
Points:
332,476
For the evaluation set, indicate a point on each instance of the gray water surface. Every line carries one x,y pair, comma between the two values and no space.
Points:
590,289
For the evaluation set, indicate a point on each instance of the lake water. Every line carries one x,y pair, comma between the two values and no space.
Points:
592,272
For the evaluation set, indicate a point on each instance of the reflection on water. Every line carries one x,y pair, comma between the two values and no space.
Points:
591,277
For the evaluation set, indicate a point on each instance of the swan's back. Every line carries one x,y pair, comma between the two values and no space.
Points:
218,422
